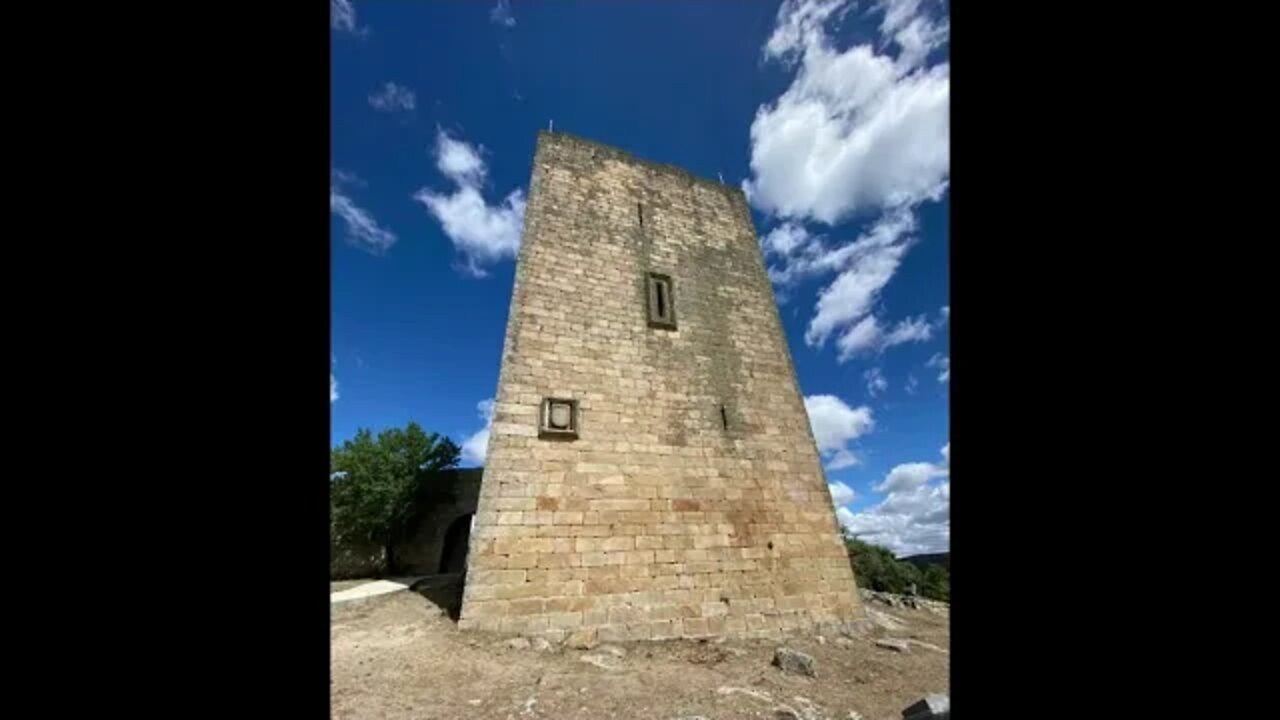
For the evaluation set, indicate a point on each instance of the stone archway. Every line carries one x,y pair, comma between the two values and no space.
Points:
453,555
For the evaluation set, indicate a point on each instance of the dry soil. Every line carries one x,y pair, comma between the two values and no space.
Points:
401,656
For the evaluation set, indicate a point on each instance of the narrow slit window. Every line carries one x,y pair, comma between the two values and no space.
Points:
640,213
724,418
661,301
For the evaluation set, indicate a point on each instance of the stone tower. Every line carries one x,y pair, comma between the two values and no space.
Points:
651,472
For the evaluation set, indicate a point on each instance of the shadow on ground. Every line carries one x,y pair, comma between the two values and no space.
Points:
445,591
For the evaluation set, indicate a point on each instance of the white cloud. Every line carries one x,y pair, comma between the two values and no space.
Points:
501,14
867,335
841,494
342,16
834,426
845,516
915,516
943,363
458,161
333,388
915,34
867,266
855,130
392,97
875,381
909,476
363,230
912,384
483,234
945,314
476,446
785,238
909,330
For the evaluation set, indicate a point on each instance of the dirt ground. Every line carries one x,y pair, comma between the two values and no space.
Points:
401,656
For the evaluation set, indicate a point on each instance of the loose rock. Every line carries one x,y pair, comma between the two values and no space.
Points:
518,643
843,642
893,644
542,645
794,662
932,707
581,640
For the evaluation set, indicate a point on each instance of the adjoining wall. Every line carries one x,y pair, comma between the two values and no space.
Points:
420,553
692,502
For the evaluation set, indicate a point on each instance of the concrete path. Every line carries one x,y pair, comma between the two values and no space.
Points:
370,589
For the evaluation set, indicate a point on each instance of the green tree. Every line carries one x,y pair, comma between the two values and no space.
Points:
378,485
936,584
877,569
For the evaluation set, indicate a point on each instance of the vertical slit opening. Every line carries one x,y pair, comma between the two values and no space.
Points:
640,213
724,418
662,299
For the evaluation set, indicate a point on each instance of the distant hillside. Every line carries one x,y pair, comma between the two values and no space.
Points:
924,561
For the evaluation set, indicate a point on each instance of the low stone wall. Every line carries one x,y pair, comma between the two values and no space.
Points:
420,553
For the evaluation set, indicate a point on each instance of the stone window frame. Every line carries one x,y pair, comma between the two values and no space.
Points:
544,419
667,320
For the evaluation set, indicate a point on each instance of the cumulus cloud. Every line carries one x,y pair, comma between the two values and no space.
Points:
392,97
333,388
481,233
856,129
476,446
943,363
915,516
785,239
866,267
363,230
875,381
909,476
835,425
841,494
501,14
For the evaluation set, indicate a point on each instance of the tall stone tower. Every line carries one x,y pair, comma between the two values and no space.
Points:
651,472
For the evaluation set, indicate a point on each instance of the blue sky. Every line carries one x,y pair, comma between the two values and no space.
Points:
833,116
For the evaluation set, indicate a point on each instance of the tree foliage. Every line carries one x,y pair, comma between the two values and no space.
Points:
378,485
877,569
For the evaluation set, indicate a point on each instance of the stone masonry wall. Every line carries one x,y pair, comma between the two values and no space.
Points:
693,501
421,552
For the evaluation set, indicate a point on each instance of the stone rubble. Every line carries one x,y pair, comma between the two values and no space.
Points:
794,662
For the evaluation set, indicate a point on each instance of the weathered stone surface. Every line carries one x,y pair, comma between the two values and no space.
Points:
794,661
518,643
932,707
843,642
581,640
885,620
541,645
613,650
692,501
